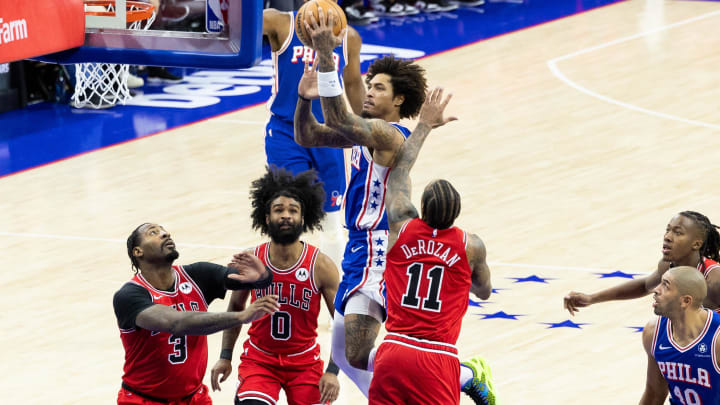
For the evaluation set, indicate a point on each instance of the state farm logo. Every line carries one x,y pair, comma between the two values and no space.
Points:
12,31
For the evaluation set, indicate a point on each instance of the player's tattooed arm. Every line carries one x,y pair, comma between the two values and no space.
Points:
310,133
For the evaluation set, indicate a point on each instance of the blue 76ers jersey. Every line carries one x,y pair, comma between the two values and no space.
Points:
365,195
289,64
691,371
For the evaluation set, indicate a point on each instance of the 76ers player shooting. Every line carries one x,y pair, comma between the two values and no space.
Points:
281,351
431,267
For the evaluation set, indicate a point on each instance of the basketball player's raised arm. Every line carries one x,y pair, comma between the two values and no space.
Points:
476,254
628,290
223,367
327,280
399,205
308,131
656,388
352,76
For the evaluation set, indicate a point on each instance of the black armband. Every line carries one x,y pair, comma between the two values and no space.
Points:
226,354
231,284
332,368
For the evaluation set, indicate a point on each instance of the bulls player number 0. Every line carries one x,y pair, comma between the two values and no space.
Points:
432,301
280,329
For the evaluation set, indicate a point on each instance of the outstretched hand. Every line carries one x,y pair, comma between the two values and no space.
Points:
433,108
308,88
249,268
576,300
321,32
266,305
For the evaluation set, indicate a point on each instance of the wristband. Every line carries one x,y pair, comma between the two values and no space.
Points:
304,99
226,354
329,84
332,368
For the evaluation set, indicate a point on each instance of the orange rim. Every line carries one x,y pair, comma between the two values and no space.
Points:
136,11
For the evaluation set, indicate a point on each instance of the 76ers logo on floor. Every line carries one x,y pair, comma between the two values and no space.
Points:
302,274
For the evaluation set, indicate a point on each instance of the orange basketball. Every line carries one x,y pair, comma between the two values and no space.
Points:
311,8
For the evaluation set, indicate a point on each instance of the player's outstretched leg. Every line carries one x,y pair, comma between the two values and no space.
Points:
480,387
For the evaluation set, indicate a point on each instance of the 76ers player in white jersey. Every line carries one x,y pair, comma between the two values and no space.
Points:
396,90
289,57
683,343
281,351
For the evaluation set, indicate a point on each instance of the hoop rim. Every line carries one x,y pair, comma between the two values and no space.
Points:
136,10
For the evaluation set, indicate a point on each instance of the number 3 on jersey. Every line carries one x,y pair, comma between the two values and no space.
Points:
432,301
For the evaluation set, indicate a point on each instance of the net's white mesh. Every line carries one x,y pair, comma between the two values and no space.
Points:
103,85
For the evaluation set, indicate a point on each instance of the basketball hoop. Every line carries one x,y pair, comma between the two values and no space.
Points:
102,85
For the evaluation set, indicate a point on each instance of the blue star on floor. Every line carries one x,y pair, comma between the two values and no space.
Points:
636,329
564,324
501,315
497,290
477,304
617,273
531,279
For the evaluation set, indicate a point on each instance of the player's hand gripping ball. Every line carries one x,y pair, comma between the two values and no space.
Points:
310,8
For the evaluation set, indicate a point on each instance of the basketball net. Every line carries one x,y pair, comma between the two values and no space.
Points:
103,85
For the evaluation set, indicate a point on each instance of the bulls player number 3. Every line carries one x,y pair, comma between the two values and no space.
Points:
412,299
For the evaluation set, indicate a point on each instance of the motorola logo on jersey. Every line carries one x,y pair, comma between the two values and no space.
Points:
185,288
302,274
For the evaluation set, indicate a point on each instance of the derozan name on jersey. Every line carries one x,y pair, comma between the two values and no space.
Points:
431,247
13,30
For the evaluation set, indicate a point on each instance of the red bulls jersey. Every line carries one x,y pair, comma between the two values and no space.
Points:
161,364
428,280
293,328
707,265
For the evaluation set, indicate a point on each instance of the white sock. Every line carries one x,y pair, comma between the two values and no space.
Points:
371,359
466,374
333,238
361,378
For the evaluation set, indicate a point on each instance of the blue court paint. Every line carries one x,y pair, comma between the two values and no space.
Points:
48,132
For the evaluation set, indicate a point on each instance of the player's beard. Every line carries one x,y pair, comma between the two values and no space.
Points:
284,236
172,256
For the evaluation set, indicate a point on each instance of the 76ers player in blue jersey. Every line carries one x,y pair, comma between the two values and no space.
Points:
289,57
396,90
683,343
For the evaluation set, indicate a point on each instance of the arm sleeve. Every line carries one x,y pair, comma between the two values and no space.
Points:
210,277
128,302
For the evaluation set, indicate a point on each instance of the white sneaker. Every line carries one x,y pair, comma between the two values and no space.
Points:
134,82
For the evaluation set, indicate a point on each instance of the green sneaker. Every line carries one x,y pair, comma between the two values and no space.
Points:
480,388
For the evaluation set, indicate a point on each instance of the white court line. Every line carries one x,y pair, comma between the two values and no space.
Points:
93,239
552,64
239,248
240,121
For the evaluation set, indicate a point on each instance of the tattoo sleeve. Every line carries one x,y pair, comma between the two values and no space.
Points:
310,133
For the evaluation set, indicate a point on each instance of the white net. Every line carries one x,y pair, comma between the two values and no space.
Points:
103,85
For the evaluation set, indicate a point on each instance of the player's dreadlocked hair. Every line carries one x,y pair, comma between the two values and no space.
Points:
132,241
711,242
306,188
440,204
407,78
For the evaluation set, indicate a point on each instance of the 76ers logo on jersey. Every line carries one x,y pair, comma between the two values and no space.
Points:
185,288
302,274
355,157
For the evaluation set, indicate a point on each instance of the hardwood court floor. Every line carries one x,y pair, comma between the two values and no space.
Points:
577,141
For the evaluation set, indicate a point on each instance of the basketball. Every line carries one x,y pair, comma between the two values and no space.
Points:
310,8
